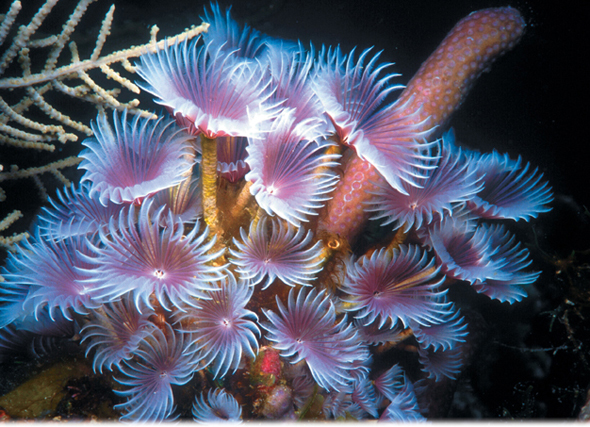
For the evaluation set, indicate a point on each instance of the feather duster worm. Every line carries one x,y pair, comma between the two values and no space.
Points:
291,80
224,33
137,158
403,406
76,213
146,258
452,181
291,176
272,250
47,273
510,189
219,407
351,96
231,157
307,330
506,247
351,91
223,329
392,286
115,332
463,250
206,88
160,362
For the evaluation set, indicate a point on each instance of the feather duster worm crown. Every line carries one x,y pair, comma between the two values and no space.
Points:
216,244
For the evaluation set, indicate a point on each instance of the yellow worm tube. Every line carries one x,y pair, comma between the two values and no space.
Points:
209,182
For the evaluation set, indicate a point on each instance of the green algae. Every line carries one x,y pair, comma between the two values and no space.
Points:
39,396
